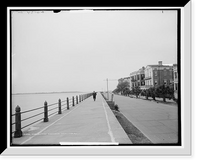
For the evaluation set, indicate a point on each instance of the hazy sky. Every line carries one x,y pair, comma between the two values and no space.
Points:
77,51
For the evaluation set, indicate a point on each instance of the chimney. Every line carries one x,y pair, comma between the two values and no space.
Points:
159,62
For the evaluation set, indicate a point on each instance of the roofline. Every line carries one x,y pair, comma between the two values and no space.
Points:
163,65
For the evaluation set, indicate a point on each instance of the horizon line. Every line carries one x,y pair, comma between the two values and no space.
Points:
47,92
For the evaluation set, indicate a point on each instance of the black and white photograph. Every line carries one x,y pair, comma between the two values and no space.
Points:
96,77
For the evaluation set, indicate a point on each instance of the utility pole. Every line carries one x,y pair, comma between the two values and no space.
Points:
107,85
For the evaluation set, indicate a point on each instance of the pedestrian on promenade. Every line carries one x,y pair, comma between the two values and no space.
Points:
94,95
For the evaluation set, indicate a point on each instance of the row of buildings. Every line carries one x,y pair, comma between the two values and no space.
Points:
153,76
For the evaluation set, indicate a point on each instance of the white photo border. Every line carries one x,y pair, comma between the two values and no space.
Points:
186,109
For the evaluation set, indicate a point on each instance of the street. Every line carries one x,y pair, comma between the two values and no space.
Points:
157,121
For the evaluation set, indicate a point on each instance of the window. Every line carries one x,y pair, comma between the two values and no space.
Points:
142,76
132,78
155,82
156,73
149,73
176,87
175,75
142,83
165,72
171,73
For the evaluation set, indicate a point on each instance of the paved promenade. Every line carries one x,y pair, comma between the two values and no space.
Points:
157,121
88,123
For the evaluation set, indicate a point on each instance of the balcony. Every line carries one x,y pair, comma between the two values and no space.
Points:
147,78
133,80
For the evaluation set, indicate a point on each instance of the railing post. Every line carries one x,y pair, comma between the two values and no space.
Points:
76,99
45,112
79,98
18,131
67,103
59,107
73,101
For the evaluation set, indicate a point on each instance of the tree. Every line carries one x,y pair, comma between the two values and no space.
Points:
126,91
145,93
162,91
152,92
136,91
170,93
116,91
165,92
123,86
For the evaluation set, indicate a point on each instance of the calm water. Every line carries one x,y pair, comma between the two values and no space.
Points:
32,101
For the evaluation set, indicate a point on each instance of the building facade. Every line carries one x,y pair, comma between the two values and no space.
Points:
156,75
137,78
175,72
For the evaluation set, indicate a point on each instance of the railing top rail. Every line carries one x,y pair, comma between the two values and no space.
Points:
70,100
34,109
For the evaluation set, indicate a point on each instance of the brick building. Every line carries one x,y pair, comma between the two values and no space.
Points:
159,74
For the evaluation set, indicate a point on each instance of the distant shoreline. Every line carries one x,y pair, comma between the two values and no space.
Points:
46,93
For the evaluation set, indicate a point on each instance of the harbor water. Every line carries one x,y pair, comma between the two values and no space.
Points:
28,102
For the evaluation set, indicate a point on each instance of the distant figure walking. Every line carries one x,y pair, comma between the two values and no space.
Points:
94,95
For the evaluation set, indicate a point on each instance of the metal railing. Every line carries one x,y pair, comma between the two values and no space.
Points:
48,110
